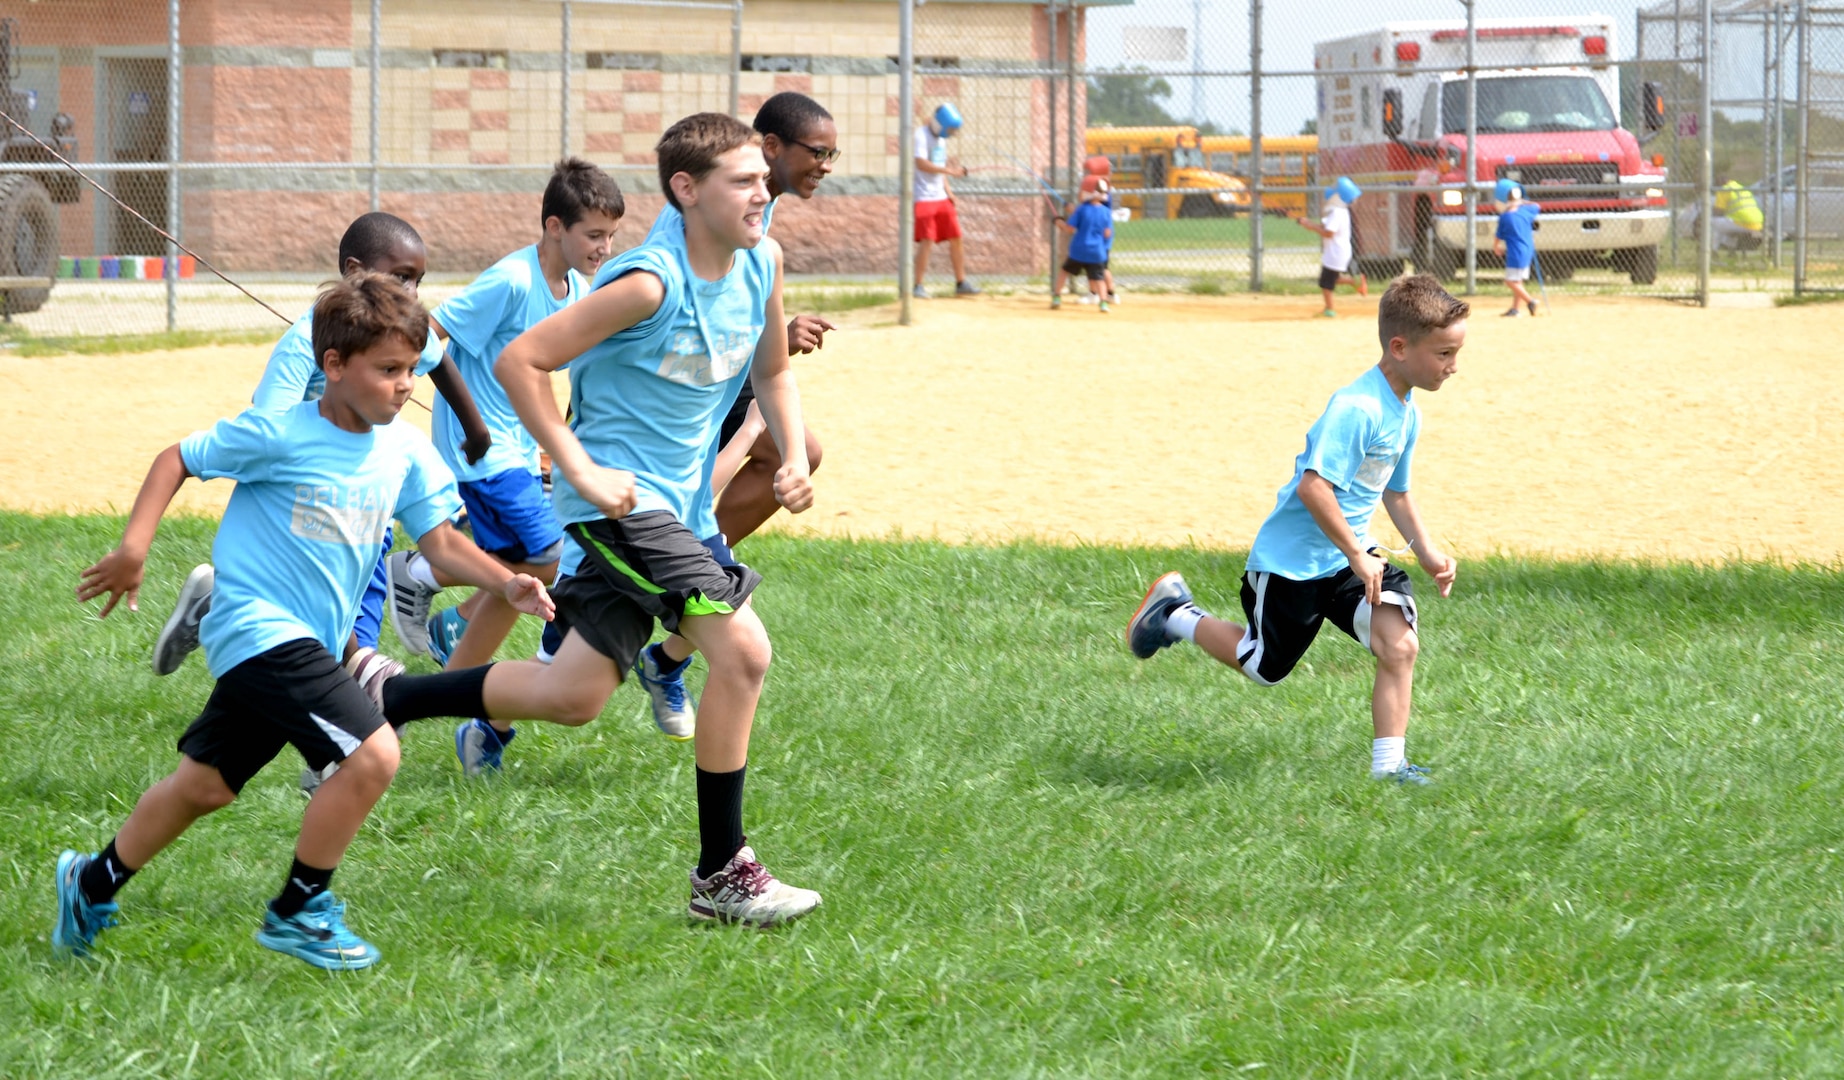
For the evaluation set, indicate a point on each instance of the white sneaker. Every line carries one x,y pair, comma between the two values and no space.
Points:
673,712
410,601
179,637
372,669
745,892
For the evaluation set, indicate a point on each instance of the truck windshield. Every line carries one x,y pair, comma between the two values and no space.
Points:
1529,103
1188,157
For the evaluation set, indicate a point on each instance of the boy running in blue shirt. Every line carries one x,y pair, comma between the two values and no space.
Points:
1314,559
507,508
385,244
1516,240
1091,234
316,486
658,351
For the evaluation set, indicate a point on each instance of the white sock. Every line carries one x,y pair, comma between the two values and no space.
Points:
1181,624
543,655
1387,754
421,572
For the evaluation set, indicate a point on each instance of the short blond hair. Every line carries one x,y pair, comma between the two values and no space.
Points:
1416,306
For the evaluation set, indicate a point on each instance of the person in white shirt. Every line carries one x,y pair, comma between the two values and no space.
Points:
1334,229
935,215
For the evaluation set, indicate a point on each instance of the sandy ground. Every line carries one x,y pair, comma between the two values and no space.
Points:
1622,427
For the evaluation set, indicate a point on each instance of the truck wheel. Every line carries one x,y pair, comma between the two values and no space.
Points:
28,240
1434,258
1640,264
1196,206
1380,269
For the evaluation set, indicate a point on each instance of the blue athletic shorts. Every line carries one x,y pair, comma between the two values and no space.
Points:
371,607
716,545
512,518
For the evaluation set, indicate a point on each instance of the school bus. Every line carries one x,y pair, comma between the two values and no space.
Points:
1286,161
1166,157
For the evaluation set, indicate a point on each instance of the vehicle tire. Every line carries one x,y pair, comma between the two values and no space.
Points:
1640,264
1380,269
1434,258
28,240
1203,206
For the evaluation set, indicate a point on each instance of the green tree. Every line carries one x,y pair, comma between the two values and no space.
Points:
1135,100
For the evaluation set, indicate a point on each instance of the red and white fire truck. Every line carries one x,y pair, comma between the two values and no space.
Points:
1392,113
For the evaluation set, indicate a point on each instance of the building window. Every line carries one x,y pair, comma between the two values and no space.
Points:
777,63
924,63
623,61
471,58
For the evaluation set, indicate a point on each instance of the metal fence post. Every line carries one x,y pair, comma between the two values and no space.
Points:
377,96
736,57
1076,135
1706,158
1802,177
173,82
563,96
1779,166
1472,152
1050,105
906,168
1255,160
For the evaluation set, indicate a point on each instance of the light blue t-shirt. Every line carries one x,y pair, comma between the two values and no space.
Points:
300,537
1360,444
293,377
510,298
651,399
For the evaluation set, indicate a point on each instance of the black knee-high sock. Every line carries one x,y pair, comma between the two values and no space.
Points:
304,883
720,818
105,874
449,693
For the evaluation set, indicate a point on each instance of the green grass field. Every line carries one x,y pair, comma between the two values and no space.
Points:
1040,857
1201,234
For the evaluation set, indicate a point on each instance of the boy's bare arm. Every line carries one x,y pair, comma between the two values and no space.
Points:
730,458
778,399
453,388
119,572
1438,565
455,555
1321,501
525,367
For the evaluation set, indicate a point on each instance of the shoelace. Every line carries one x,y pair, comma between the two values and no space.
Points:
748,878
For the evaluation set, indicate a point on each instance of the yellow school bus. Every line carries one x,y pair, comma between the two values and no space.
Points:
1166,157
1286,161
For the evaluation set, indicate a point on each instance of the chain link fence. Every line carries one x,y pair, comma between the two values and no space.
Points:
256,135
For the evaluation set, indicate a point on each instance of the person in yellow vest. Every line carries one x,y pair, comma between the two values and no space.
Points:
1740,220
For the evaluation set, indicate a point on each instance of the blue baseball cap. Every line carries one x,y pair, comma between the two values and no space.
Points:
1347,189
1501,192
947,117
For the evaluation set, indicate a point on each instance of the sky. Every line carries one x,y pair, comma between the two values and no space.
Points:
1291,27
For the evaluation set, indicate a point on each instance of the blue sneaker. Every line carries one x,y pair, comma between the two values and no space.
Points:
317,934
673,712
1407,775
1146,630
445,629
79,921
479,747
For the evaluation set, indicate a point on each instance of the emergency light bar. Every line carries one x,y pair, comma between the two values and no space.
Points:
1489,33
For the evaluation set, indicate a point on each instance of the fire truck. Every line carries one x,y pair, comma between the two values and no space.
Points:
1392,113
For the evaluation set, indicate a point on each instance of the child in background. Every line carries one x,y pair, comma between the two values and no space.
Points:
1091,233
1516,241
1334,229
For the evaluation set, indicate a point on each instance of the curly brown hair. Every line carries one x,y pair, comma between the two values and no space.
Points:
1415,306
362,309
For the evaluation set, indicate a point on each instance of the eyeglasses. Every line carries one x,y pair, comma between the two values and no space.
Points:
822,154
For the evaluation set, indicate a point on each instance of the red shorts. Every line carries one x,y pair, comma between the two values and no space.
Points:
936,220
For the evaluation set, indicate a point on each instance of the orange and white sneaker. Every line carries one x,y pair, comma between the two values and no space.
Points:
745,892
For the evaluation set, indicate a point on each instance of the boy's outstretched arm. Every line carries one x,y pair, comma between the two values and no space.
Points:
119,572
453,388
453,554
525,367
1407,518
1321,501
778,398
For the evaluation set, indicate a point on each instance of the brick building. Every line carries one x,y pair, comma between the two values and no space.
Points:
472,113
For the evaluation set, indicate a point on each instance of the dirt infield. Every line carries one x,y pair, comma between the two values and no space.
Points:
1617,427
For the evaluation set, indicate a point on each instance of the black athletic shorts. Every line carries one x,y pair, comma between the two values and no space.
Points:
637,569
1094,271
733,420
295,693
1284,616
1328,277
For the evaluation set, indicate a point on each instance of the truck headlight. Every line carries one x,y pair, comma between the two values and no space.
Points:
1655,193
1452,198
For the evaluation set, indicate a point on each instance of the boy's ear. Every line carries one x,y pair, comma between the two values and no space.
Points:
351,266
684,187
332,363
1398,348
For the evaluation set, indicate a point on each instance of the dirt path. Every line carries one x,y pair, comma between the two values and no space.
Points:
1614,426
